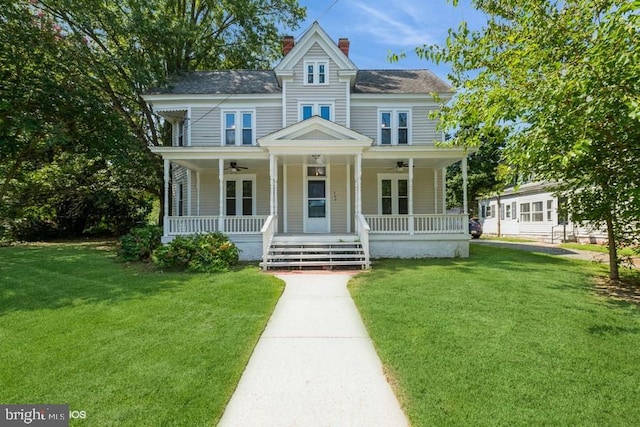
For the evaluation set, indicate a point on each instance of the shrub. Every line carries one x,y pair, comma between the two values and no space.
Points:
207,253
140,243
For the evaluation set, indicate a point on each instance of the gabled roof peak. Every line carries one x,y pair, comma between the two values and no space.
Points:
315,34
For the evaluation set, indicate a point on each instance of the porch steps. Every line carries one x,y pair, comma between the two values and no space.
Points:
317,252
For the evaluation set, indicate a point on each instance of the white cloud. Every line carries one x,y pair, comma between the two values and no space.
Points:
400,25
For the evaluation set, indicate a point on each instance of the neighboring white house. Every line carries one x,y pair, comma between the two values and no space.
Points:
315,157
532,210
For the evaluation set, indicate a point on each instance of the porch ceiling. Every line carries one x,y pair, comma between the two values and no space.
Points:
385,164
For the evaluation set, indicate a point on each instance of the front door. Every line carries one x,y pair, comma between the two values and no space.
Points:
316,203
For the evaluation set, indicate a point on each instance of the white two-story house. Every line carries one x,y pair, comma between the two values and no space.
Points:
314,162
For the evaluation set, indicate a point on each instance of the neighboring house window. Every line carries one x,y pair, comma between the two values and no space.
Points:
508,210
239,128
240,196
311,109
488,212
514,214
549,210
537,214
525,212
501,211
394,195
316,73
394,127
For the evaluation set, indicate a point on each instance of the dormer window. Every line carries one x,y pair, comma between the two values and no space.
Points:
315,72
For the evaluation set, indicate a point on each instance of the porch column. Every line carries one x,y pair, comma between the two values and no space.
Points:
189,173
198,192
465,207
272,181
358,179
165,222
410,189
435,191
348,198
443,186
221,189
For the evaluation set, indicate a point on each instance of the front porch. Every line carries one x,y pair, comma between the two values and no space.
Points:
376,236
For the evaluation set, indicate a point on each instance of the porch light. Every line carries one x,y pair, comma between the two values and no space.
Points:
316,157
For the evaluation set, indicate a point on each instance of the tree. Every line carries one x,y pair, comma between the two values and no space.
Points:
561,79
132,46
72,76
482,170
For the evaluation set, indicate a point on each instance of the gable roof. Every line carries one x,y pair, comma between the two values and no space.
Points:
221,82
399,81
315,34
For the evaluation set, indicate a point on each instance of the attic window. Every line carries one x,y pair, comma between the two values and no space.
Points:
315,73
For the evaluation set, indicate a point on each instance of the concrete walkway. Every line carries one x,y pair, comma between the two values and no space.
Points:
315,364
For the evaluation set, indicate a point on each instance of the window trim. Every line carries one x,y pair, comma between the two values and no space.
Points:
394,178
394,125
238,178
238,124
316,72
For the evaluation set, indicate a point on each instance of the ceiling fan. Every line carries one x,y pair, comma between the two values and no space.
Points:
233,167
400,165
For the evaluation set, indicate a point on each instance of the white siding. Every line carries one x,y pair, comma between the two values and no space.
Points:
424,128
423,195
364,120
205,126
338,198
295,203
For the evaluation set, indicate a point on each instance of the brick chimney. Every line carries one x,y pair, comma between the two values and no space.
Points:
287,44
343,44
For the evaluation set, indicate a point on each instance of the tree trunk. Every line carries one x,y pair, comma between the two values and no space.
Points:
613,253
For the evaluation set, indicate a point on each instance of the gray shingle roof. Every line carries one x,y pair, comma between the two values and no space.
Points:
399,81
265,81
222,82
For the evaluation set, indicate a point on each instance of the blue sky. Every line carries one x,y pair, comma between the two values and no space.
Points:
375,27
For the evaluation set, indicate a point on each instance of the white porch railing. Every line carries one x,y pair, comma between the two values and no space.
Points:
418,224
268,230
362,228
181,225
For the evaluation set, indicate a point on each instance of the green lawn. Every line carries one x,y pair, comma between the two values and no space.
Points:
130,347
505,337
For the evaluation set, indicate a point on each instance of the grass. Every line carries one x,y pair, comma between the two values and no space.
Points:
603,249
130,347
505,337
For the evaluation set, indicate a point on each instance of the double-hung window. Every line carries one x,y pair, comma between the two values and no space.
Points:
525,212
316,73
537,214
240,196
394,127
239,127
549,210
310,109
180,205
394,194
181,133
